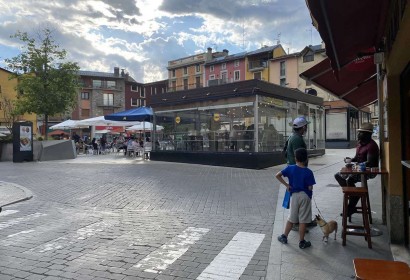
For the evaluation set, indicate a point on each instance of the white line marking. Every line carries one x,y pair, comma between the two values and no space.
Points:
20,220
230,263
21,232
81,234
161,258
8,212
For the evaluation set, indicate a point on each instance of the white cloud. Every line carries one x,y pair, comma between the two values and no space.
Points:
142,35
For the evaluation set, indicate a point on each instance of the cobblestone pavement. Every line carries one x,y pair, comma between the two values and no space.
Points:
107,217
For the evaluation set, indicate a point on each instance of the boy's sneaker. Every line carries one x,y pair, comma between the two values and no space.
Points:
283,239
304,244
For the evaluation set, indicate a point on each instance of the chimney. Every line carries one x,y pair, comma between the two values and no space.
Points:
225,51
208,54
116,71
122,72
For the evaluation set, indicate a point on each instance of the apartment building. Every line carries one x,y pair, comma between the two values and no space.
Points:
154,88
285,70
258,62
8,93
103,93
225,69
188,72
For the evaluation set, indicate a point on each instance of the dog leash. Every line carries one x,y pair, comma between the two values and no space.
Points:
317,207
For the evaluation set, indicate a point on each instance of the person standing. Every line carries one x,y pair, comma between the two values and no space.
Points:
301,181
367,152
296,140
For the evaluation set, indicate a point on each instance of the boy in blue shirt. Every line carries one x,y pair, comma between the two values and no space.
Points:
301,181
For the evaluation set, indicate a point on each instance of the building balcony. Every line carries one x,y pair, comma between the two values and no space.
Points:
216,82
257,65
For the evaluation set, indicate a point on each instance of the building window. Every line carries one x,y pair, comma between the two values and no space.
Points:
223,66
283,82
135,102
173,73
282,68
237,75
212,77
309,56
236,63
85,113
111,84
142,102
108,99
97,83
142,93
174,86
198,68
224,77
185,70
185,83
257,75
85,95
134,88
198,82
211,68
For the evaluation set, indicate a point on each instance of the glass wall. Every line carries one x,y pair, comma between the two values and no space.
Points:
274,125
237,127
222,128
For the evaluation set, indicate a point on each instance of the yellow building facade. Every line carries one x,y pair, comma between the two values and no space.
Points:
8,92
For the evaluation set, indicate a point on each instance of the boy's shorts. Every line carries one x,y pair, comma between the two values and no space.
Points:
300,208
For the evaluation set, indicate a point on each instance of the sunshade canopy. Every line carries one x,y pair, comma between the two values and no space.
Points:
68,124
349,28
145,126
102,121
356,84
352,31
138,114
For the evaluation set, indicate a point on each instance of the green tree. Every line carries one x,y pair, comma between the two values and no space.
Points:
48,83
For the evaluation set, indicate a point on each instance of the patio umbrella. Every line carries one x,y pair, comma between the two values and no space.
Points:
145,126
138,114
57,132
103,122
68,124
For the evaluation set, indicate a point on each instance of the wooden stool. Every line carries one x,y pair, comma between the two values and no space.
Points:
380,269
349,192
359,209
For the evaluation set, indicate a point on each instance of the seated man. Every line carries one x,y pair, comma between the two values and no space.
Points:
367,151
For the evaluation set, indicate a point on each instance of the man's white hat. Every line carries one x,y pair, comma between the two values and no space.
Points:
300,122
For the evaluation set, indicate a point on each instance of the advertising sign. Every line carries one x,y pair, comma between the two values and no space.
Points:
22,141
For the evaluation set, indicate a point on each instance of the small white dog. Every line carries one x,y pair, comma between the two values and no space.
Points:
326,227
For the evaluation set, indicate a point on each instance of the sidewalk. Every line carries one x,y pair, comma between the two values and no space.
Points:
12,193
331,260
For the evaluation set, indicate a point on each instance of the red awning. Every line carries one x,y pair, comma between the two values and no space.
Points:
349,28
356,82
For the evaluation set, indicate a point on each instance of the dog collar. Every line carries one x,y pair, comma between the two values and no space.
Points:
324,225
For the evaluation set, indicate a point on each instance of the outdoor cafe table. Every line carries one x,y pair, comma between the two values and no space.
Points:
363,178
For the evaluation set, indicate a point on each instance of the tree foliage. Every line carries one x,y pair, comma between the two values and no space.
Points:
48,83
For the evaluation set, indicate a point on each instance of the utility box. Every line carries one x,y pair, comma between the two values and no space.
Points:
22,141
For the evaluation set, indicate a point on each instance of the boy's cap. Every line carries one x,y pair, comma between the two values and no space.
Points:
300,122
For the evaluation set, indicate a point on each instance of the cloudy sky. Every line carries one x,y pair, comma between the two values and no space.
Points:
141,36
